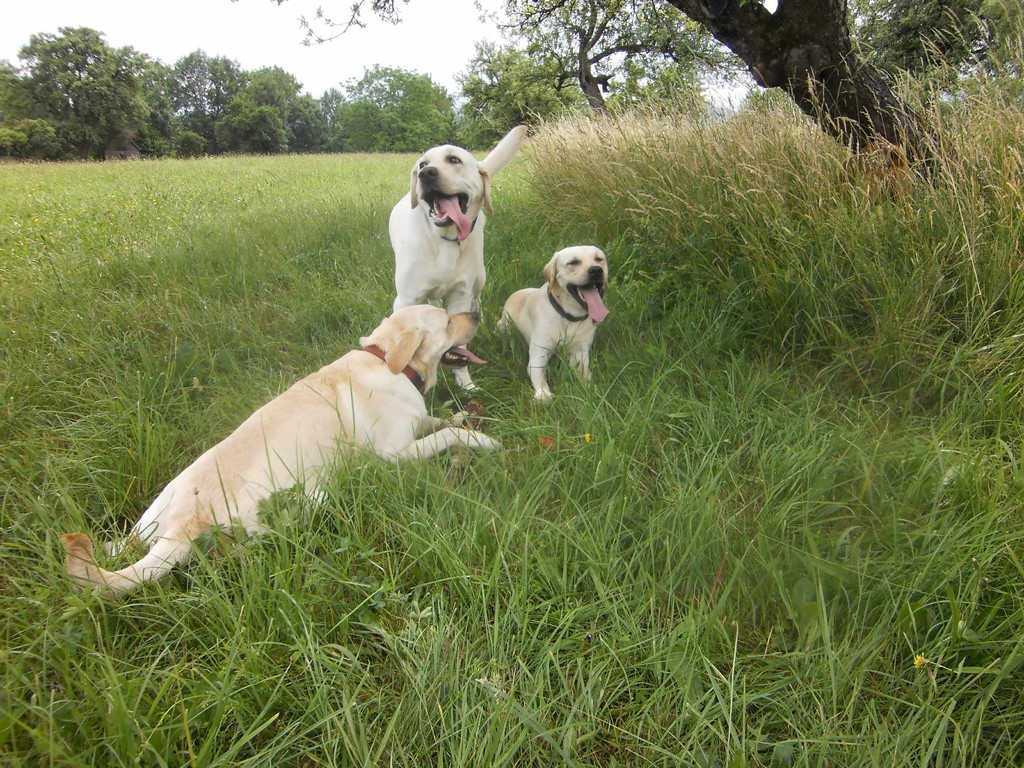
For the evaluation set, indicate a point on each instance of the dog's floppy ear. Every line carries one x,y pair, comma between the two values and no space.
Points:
485,177
404,349
551,271
413,197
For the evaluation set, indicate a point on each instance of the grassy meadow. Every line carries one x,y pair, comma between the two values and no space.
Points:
783,526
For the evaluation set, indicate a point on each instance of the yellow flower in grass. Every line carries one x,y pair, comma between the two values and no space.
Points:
923,662
587,437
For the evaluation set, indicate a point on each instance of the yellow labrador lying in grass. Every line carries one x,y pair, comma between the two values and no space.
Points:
564,312
369,399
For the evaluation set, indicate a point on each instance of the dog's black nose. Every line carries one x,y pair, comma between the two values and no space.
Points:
595,273
428,173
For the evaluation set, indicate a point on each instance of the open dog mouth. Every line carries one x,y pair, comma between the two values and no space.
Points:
449,209
435,199
591,296
460,357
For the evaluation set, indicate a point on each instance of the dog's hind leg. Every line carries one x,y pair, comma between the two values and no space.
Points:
81,564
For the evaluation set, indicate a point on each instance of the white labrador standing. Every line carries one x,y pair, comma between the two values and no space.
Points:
369,399
437,230
564,312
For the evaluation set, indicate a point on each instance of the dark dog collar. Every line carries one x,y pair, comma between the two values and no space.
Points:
415,378
561,310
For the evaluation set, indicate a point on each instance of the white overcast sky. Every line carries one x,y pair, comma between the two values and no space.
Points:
435,38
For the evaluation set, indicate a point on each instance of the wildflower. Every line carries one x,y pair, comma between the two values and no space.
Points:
587,437
923,662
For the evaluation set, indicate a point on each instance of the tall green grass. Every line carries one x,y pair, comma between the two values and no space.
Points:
921,292
782,526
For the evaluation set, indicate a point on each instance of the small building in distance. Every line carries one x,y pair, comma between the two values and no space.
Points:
121,147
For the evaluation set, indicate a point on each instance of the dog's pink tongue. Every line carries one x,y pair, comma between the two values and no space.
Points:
595,304
450,207
463,352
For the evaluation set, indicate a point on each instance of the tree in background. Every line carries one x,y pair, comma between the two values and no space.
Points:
271,87
82,92
504,87
939,38
307,128
804,48
25,139
594,41
331,107
14,100
87,90
1005,20
677,86
189,144
202,89
75,93
376,115
912,35
251,128
155,137
257,118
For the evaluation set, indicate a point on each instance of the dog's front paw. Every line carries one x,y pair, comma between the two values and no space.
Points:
542,394
485,443
463,380
470,438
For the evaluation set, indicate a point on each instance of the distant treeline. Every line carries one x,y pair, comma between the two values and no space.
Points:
75,96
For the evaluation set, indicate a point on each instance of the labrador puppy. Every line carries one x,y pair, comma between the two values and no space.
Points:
370,399
563,312
437,230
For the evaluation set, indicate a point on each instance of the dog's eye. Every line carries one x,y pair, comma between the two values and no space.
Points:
454,160
574,263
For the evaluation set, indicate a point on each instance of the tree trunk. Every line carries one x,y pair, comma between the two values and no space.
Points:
805,49
592,90
589,84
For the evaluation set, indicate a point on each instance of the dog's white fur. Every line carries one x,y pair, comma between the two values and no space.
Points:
357,402
569,270
439,258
